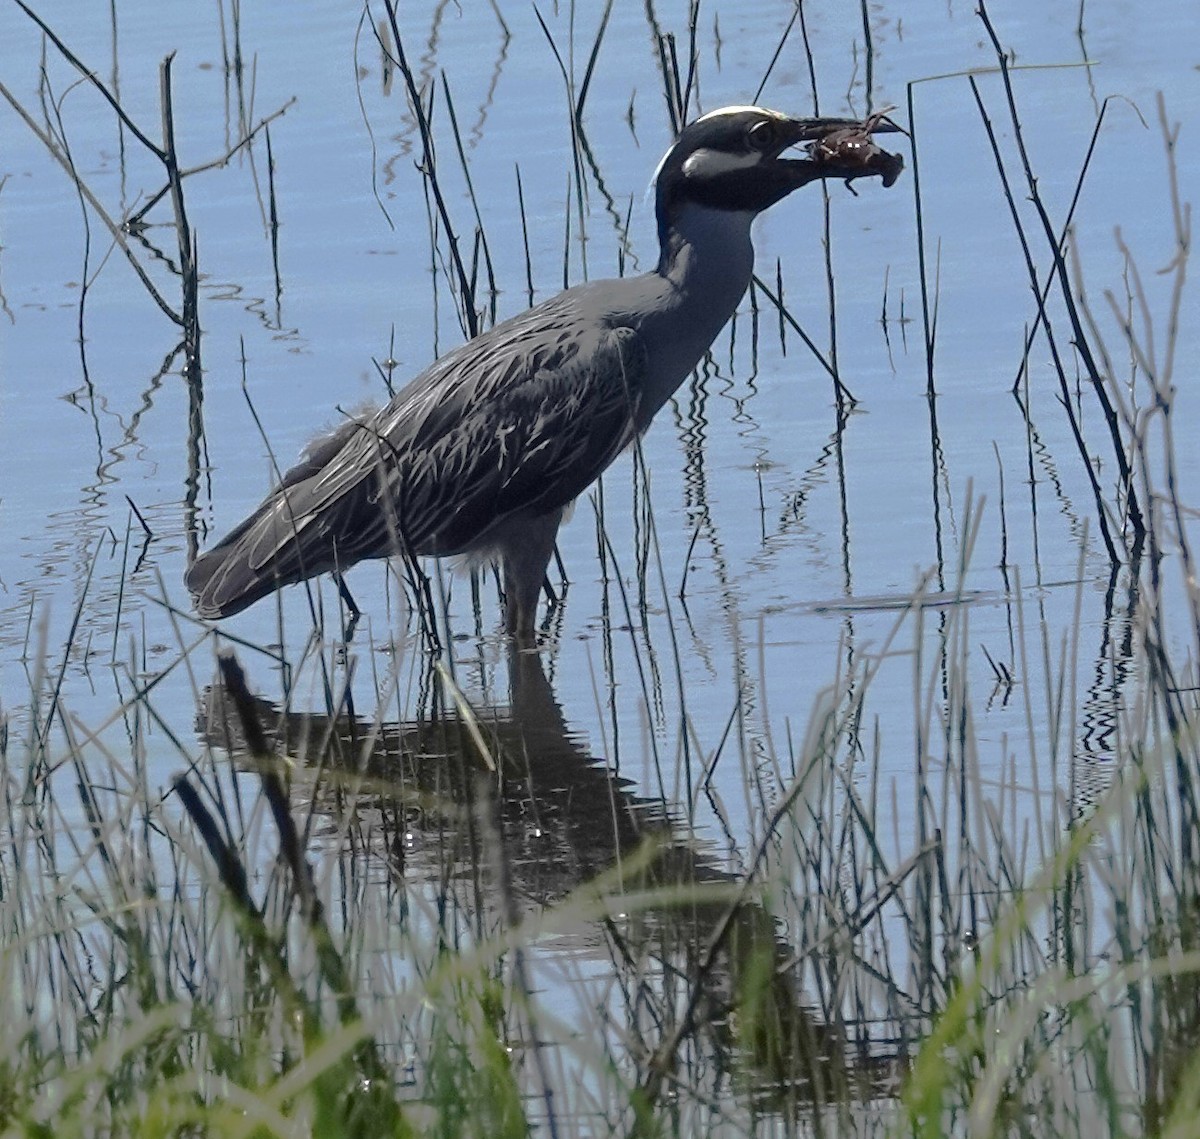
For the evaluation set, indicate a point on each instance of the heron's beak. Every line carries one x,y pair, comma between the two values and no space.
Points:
813,130
841,148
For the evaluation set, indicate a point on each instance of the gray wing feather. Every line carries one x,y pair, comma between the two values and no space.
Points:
515,423
524,432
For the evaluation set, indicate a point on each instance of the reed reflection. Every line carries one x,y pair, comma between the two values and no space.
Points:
509,805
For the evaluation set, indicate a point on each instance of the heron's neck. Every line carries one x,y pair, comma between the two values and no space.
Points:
706,251
704,269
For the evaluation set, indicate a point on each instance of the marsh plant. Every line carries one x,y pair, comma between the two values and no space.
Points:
385,901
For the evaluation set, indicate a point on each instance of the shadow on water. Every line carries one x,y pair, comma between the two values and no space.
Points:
439,802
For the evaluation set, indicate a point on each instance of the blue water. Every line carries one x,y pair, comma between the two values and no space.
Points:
799,540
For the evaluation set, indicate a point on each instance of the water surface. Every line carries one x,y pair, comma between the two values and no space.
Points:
796,536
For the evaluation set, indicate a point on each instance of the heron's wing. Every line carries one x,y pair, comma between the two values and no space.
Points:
508,426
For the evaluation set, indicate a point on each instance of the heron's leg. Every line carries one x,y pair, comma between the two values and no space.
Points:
525,553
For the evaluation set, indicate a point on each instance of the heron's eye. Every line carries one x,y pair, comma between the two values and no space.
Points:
763,135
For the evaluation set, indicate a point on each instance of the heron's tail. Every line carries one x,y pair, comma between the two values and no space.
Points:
255,559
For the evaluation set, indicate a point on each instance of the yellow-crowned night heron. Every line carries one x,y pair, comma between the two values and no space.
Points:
483,452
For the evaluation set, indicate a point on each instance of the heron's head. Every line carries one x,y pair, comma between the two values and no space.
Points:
732,160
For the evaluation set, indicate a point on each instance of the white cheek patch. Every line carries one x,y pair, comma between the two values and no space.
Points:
708,163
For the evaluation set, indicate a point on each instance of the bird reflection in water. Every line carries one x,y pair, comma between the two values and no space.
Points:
530,818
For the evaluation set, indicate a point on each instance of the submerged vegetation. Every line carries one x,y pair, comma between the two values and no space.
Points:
390,902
